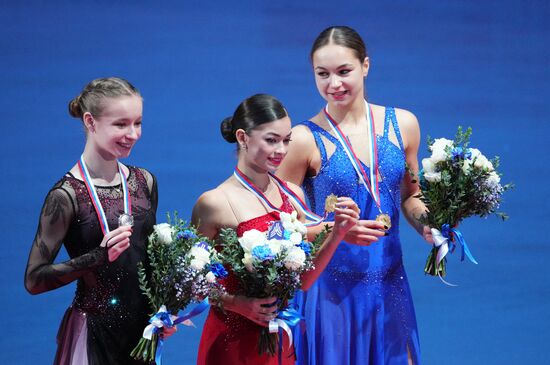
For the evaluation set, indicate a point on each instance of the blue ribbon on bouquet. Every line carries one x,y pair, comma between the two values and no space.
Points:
442,240
285,319
164,319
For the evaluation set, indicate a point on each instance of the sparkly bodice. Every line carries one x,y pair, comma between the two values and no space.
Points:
338,176
116,282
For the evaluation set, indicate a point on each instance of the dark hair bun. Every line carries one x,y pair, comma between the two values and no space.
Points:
74,108
226,129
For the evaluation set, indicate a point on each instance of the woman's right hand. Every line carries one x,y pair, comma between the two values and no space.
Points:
258,310
117,241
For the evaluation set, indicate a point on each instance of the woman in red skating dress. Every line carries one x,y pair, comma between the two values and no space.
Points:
261,128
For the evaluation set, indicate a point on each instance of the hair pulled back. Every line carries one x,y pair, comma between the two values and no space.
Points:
252,112
92,96
341,36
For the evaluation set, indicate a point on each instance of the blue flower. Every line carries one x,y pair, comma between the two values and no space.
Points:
262,253
287,234
218,270
202,244
305,246
457,153
186,234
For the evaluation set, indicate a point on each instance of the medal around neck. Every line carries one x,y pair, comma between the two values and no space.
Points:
384,219
126,220
330,203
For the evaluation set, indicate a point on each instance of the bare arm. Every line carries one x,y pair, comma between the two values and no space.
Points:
346,216
411,206
302,159
208,216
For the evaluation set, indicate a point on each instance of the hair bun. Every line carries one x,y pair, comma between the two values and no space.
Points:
74,108
226,129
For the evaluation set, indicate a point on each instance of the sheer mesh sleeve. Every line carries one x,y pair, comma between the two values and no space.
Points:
153,189
42,274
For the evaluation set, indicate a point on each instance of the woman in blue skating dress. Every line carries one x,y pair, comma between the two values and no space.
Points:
360,309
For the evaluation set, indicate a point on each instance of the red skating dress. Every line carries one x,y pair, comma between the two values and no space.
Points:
231,339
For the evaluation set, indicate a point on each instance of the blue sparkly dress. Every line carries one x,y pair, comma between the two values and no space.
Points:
360,309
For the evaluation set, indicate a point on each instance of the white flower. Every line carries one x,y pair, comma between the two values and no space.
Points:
164,232
210,277
296,238
433,176
251,239
467,167
274,246
201,257
438,149
295,258
197,264
482,162
291,223
247,261
200,253
493,179
428,165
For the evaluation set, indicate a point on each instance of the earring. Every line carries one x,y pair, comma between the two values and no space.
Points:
244,147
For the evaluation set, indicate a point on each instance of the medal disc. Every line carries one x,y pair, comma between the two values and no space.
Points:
125,220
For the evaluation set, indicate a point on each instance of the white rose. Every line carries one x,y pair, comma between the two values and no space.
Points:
433,176
288,220
251,239
274,246
493,179
467,167
438,149
428,165
295,258
210,277
482,162
247,261
197,264
200,253
475,152
164,232
296,238
286,245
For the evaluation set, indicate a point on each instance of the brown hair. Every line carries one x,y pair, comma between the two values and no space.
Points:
342,36
91,98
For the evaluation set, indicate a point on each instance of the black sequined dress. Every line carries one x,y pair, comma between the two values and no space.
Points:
108,313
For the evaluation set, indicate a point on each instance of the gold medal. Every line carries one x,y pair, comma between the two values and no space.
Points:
330,203
384,219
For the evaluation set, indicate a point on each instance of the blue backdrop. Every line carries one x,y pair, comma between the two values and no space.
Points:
477,63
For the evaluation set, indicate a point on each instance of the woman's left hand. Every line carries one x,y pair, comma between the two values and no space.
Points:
167,332
427,234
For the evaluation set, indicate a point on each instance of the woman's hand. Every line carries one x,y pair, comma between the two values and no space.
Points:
259,311
427,234
117,241
167,332
346,216
365,232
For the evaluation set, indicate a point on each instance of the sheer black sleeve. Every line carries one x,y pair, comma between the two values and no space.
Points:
42,274
153,189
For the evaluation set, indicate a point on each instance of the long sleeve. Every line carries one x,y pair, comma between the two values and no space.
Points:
55,218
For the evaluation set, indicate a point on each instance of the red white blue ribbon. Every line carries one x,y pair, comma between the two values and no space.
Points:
95,198
249,185
348,148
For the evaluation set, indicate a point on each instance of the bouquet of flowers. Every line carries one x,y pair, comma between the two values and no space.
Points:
184,268
269,264
456,182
